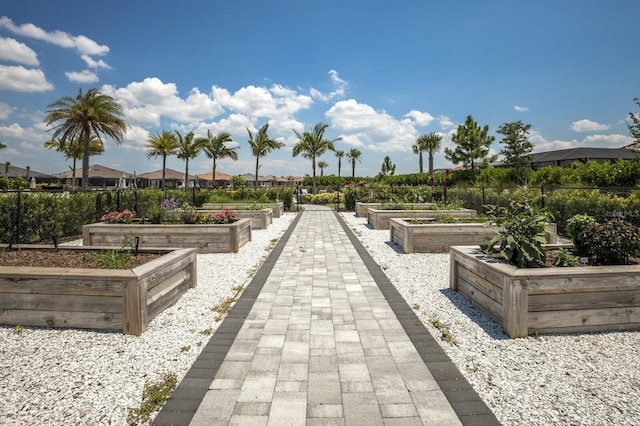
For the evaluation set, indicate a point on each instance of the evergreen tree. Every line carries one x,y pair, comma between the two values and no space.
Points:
517,148
472,148
388,168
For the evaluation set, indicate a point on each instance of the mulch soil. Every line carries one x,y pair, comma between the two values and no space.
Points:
63,259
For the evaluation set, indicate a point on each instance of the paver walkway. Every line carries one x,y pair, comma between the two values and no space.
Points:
320,337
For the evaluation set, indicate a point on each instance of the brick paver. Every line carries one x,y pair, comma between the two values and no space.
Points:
321,344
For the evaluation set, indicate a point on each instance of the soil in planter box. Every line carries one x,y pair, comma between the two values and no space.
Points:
63,259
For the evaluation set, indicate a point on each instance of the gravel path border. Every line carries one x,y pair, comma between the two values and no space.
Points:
574,379
86,377
89,377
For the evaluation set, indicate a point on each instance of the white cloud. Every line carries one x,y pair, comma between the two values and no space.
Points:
520,108
135,138
420,118
13,50
378,131
588,126
81,43
445,122
92,63
33,134
82,77
5,110
162,99
339,88
609,141
22,79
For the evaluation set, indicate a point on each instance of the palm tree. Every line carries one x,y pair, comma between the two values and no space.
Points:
216,148
312,145
93,113
262,145
188,148
74,150
340,155
164,144
427,143
322,165
354,156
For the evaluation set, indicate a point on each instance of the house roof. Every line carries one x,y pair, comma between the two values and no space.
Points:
95,171
564,157
169,174
19,171
219,176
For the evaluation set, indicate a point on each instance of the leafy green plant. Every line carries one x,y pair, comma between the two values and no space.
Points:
521,232
188,214
112,259
612,242
154,396
575,227
446,218
565,258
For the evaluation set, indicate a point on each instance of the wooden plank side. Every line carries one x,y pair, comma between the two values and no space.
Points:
514,309
60,302
164,286
90,285
478,299
584,300
583,317
167,300
98,320
488,288
586,328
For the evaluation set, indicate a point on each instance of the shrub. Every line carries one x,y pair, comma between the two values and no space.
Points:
521,235
575,227
612,242
327,198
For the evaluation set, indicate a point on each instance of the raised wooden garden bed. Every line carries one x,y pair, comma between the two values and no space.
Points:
211,238
438,237
105,299
361,208
548,300
260,219
379,219
278,207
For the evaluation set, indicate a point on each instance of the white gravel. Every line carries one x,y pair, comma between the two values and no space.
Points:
573,379
88,377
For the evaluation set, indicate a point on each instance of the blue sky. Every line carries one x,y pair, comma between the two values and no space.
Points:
380,73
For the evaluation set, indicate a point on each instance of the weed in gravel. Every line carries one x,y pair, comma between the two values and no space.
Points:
185,349
207,331
445,331
223,308
415,306
18,329
154,396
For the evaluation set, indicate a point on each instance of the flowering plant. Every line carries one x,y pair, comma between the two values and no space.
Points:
203,218
225,216
125,216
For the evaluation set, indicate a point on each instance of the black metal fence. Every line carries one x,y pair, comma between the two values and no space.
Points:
52,217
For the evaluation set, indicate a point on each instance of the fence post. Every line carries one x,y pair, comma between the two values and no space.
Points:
19,217
542,197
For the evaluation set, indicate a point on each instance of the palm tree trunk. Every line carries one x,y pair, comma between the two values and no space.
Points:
164,168
85,161
313,166
73,176
213,176
186,175
430,164
257,167
420,161
339,164
353,169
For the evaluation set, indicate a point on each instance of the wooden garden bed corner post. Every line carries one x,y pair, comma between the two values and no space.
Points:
515,306
453,270
134,300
